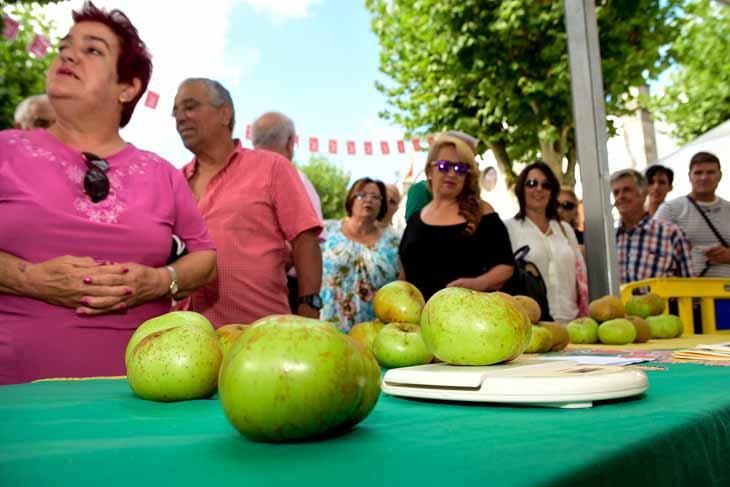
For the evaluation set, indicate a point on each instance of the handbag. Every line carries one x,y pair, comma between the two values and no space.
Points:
712,227
527,280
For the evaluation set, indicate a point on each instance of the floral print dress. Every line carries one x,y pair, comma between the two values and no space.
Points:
352,272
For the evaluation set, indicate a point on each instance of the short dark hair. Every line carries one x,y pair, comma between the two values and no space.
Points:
361,183
655,169
134,59
702,157
551,212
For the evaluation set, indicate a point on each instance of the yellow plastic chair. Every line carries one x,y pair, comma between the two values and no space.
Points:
683,289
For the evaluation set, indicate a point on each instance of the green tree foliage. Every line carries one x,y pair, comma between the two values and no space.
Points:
331,182
21,73
698,95
498,69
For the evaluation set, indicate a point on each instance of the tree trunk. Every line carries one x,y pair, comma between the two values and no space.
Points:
569,179
552,157
499,149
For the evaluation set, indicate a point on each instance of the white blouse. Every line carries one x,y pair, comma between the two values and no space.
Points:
555,255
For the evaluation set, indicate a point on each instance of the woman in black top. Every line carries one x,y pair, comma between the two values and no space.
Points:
457,240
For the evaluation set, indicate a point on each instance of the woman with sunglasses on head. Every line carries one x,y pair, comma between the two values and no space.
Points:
359,256
457,239
86,218
553,244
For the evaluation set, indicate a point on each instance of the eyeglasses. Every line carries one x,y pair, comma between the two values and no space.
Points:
361,195
567,205
96,184
459,168
534,183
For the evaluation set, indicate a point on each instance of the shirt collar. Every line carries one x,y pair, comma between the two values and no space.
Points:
644,220
191,167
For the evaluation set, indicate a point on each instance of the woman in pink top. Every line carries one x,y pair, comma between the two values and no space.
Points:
86,219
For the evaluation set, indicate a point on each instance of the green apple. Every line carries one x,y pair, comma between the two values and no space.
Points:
175,364
665,326
619,331
398,301
583,330
401,345
645,305
466,327
541,340
561,339
162,322
366,332
227,335
290,378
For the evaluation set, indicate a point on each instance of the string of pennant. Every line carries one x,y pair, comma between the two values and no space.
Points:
40,45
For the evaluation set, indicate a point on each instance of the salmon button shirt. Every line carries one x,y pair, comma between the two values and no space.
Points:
252,207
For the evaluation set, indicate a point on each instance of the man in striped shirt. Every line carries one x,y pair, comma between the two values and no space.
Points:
711,257
646,248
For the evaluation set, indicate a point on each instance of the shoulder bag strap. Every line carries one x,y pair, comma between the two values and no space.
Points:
709,223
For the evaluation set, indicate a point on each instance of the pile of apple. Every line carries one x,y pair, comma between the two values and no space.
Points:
281,378
613,323
547,336
457,326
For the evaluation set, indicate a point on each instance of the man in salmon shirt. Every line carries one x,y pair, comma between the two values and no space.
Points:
253,202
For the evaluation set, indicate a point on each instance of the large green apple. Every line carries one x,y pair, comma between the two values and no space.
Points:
398,301
465,327
366,332
175,364
289,378
401,345
162,322
583,330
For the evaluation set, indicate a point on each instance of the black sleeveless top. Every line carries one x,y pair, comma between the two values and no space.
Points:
434,255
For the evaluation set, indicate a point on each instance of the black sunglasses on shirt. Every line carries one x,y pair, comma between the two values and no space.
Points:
567,205
96,183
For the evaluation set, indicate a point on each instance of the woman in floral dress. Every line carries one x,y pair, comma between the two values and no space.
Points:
359,256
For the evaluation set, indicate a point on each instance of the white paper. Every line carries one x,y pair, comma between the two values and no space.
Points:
599,359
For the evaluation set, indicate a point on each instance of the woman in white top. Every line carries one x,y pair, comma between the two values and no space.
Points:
553,244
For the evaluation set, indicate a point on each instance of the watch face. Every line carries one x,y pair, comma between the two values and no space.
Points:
316,302
312,300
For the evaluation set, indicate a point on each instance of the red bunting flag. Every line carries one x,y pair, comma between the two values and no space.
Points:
39,46
151,99
296,139
248,132
10,27
332,146
313,144
401,146
430,140
369,148
416,144
384,148
351,147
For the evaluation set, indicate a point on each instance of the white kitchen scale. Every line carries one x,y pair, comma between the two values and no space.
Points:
524,381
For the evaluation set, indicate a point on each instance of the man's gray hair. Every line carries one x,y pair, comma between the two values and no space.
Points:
268,135
638,178
22,111
219,95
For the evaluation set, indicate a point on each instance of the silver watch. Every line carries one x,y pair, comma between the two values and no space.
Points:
173,289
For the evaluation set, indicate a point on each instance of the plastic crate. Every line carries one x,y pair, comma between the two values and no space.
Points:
713,294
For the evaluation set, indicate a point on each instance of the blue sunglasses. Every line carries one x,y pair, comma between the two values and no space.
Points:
459,168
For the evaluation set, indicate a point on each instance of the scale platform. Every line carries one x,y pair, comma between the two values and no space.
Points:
525,381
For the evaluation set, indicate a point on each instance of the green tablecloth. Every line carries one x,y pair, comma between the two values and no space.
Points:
97,433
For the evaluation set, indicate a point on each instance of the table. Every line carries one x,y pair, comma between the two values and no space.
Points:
95,432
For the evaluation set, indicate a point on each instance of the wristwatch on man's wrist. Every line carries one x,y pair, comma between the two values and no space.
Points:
312,300
173,288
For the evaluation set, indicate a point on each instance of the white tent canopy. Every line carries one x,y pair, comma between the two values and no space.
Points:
716,141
